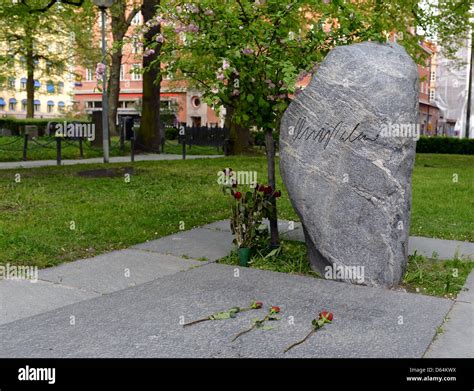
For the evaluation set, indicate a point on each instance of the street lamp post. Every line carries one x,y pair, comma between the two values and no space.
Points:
103,5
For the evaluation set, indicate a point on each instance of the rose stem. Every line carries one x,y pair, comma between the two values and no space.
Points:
299,342
243,332
195,321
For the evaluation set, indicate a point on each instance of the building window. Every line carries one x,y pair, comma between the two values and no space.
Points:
23,84
136,72
12,104
37,105
50,87
2,103
94,104
135,47
122,72
196,101
432,95
89,74
165,104
60,87
50,105
433,76
48,66
137,19
11,83
23,105
37,85
61,107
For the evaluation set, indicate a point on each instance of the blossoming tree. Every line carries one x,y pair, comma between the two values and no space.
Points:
248,56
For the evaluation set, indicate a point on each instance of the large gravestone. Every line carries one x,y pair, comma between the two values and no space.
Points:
347,170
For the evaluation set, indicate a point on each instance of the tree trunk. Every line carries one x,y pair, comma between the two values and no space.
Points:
30,80
239,135
114,90
270,144
120,23
149,136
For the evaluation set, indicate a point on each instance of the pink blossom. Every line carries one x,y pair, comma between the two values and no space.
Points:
247,51
192,28
270,83
225,64
220,76
160,38
209,12
235,92
179,29
192,8
148,52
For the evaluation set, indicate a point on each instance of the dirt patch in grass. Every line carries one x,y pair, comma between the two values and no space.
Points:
107,172
9,207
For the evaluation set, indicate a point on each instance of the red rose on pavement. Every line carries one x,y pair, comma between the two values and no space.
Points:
326,315
275,309
258,304
277,194
267,190
238,195
261,188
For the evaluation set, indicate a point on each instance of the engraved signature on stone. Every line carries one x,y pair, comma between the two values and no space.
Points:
324,134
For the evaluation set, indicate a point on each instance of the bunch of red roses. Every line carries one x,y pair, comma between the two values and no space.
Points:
248,209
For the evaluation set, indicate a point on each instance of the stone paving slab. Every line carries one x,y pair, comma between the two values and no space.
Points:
116,270
445,249
199,243
457,337
21,298
114,159
143,321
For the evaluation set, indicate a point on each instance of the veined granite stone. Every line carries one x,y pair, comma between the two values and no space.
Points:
347,149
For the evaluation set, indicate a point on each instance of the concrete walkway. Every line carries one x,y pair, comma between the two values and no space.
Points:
115,159
456,338
131,303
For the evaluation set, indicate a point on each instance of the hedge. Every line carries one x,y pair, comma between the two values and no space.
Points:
442,144
16,125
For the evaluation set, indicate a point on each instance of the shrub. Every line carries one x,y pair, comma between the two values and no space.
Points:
450,145
171,133
16,125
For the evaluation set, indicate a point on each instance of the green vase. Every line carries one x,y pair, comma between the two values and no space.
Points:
244,256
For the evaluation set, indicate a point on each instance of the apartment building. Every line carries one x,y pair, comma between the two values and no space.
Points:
186,103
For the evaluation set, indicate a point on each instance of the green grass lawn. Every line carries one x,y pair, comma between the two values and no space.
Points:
443,207
424,276
109,213
44,148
